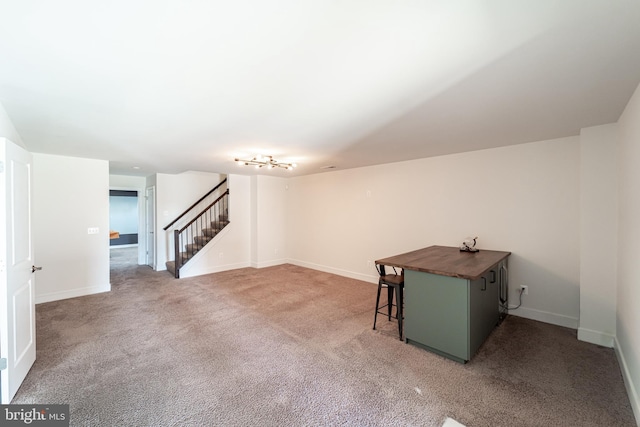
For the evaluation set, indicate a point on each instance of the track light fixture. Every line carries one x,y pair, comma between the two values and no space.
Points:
267,161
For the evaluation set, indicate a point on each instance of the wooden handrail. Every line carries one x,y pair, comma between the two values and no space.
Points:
204,210
192,235
195,204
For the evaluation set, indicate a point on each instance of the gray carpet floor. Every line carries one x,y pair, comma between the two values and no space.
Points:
289,346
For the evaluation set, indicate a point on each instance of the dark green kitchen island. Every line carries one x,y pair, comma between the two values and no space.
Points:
452,299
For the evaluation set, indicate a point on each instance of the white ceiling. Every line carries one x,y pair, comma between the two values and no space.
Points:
175,85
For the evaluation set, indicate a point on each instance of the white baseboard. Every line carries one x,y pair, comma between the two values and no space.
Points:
193,272
337,271
596,337
72,293
269,263
546,317
632,389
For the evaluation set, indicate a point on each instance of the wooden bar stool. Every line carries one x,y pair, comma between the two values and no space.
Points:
394,284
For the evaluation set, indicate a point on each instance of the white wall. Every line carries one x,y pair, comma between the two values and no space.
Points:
70,195
8,130
232,247
174,194
598,234
151,181
256,235
523,199
628,295
253,221
123,214
125,182
269,221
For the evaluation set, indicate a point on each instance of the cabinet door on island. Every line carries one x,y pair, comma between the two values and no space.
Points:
483,309
448,315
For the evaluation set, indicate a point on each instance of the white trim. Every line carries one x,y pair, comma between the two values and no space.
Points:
270,263
632,390
596,337
144,254
338,271
72,293
546,317
215,269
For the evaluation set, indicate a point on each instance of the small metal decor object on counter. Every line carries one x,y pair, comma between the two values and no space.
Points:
469,245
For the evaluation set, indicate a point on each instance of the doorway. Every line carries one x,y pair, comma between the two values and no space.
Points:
127,223
123,227
123,218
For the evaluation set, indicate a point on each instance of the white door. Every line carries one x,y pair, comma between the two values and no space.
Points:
150,199
17,281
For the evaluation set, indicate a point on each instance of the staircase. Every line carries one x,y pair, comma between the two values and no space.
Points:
206,223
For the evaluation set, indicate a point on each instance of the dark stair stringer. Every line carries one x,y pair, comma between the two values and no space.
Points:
199,242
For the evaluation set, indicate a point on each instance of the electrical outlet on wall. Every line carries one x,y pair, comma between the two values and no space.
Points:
524,289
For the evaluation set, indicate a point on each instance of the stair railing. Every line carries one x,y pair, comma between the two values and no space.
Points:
196,226
200,230
195,204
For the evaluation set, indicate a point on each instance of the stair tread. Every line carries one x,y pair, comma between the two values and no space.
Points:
200,241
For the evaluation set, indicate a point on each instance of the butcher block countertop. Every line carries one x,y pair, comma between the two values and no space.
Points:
447,261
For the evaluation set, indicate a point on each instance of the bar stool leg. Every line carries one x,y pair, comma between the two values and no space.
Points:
390,299
375,316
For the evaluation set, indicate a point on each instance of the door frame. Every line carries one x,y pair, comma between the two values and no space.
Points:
150,227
